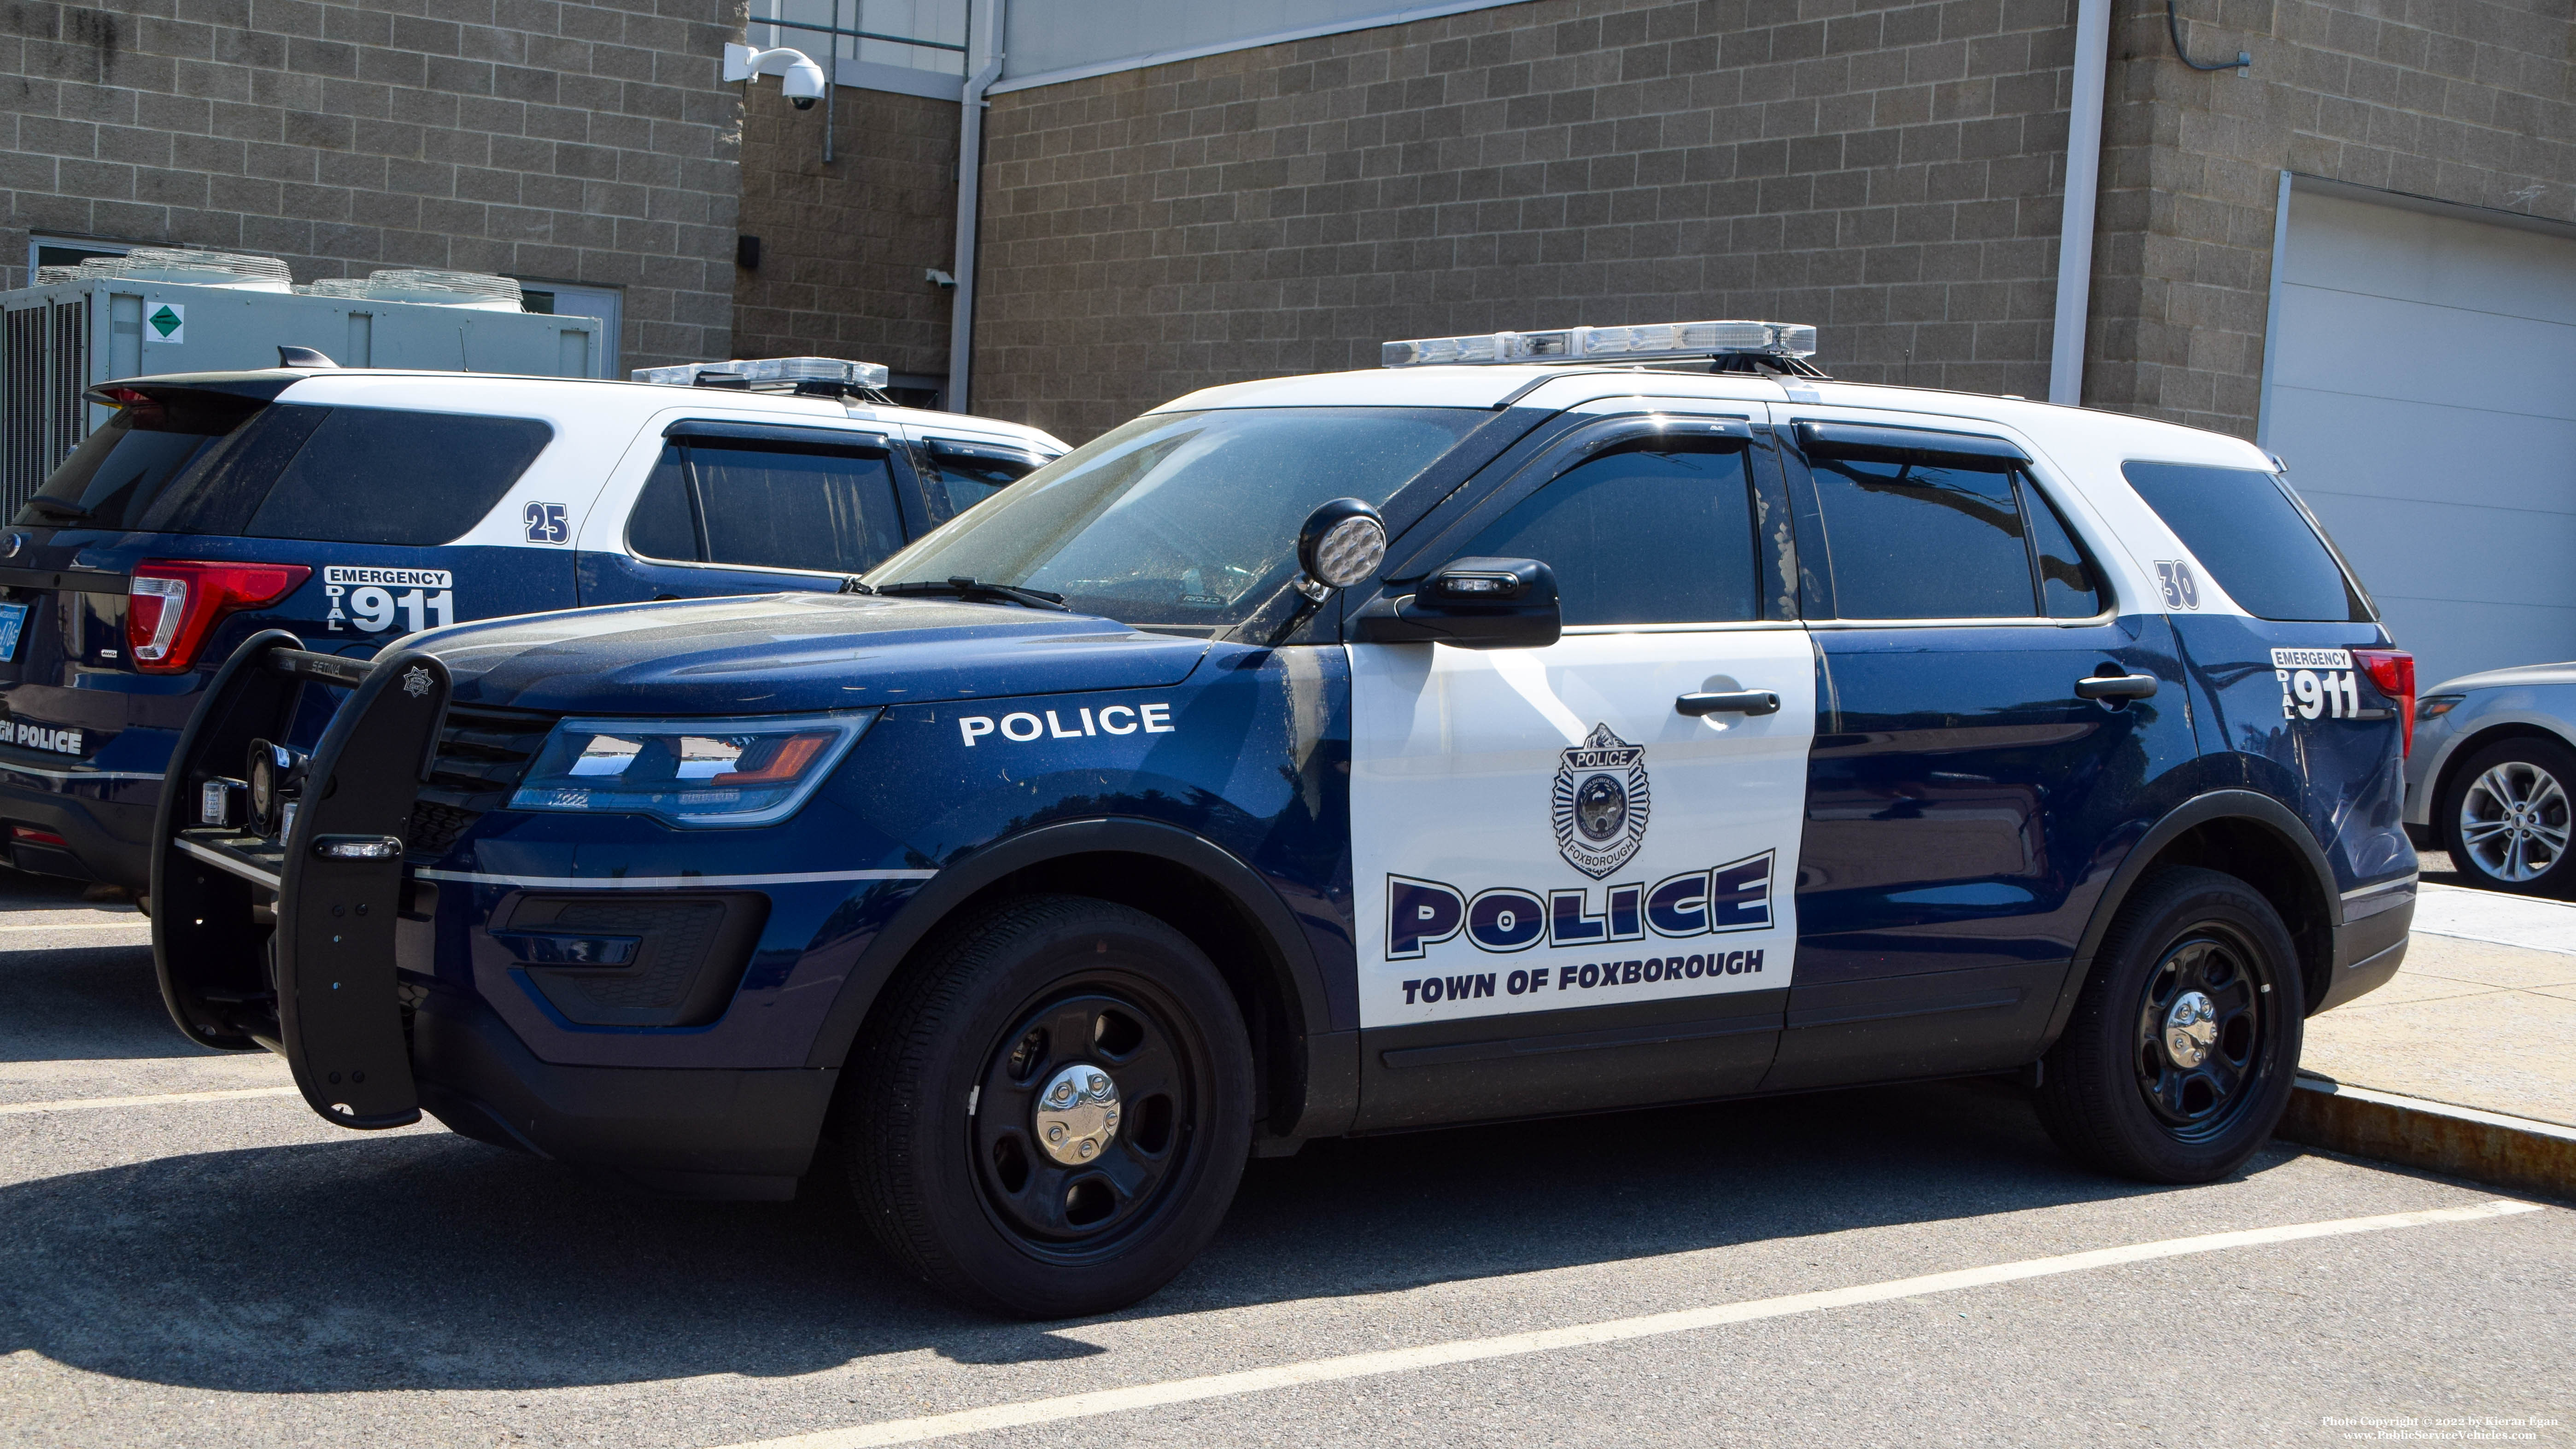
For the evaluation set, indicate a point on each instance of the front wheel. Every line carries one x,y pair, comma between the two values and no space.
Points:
1049,1115
2180,1055
2505,817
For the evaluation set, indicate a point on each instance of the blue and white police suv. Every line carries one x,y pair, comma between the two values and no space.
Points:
358,506
1549,723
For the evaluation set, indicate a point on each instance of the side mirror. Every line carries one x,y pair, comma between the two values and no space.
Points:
1341,544
1474,603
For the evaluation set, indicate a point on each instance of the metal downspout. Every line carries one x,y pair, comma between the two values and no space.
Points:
2083,184
986,28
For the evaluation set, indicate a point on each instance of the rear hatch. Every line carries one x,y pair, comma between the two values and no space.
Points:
208,508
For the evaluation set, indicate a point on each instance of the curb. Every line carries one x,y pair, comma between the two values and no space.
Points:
2488,1147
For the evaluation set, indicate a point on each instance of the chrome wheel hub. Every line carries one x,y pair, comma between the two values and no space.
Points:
1077,1114
2514,822
2191,1029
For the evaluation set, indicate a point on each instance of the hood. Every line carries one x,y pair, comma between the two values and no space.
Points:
2519,676
794,653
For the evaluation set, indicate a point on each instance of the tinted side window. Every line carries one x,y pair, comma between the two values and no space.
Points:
1914,541
962,475
2068,587
1640,537
831,512
2243,527
664,523
352,475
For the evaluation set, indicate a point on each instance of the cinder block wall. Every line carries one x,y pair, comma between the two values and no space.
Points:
1892,174
2469,101
577,142
844,245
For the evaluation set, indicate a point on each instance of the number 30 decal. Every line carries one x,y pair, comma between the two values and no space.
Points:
547,523
2182,591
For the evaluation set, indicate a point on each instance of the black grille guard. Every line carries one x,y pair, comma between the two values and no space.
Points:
318,989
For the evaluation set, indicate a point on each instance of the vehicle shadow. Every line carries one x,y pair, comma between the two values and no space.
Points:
67,1001
426,1261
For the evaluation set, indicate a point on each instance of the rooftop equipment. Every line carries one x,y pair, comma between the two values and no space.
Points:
1757,347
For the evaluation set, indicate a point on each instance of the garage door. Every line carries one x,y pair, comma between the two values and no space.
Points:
2422,389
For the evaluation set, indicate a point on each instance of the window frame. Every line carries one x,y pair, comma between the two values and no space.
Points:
764,437
1741,424
1817,595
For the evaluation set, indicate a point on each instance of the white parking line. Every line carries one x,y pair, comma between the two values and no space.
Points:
1402,1360
137,923
158,1099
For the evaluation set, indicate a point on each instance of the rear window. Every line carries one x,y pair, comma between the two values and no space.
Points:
2254,538
350,475
117,473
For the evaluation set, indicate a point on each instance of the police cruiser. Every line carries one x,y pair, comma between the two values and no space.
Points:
358,506
1549,723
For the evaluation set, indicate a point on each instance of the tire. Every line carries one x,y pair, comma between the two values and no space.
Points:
2118,1095
944,1105
2504,817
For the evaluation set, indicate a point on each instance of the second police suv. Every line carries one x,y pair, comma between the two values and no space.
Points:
1554,722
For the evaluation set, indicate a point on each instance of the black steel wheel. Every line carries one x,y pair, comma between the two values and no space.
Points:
2184,1044
1047,1113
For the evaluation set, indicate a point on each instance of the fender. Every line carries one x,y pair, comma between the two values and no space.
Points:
1321,1103
2199,810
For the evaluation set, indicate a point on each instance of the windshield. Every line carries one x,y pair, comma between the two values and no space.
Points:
1183,518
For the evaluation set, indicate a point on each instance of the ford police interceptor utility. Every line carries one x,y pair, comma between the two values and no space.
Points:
358,506
1602,718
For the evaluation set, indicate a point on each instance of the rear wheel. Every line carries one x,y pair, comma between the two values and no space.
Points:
2180,1055
1049,1117
2505,817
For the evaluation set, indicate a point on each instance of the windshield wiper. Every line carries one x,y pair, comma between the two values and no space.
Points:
966,588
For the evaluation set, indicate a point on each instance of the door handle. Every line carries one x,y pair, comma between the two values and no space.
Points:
2117,686
1742,701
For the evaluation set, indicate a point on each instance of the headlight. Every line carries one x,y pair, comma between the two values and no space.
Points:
692,773
2438,705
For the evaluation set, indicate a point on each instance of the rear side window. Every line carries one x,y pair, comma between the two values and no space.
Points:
830,512
351,475
962,474
2254,538
1640,537
1919,540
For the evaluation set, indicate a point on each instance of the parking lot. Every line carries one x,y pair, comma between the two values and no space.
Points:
216,1265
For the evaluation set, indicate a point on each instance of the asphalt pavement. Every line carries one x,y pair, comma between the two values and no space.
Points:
208,1263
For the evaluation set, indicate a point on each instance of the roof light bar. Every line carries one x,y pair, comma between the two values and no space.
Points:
1645,343
767,374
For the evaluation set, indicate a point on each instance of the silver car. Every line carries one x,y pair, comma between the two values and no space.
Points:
2488,778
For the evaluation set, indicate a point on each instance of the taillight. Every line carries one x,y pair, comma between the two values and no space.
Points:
2393,670
172,606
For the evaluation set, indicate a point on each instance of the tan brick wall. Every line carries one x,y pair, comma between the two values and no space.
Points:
2470,101
579,142
844,245
1890,173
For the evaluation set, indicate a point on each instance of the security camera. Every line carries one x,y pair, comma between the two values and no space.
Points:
799,78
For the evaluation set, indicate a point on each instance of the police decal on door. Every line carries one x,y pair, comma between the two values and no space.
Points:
1537,830
377,600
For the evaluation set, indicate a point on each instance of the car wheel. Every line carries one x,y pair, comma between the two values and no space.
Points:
2179,1057
2505,819
1049,1115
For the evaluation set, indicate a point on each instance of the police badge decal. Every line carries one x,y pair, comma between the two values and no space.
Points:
1599,802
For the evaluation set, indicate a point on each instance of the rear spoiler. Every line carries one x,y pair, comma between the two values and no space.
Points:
318,988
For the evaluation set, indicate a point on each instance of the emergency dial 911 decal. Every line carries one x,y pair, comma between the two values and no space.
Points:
378,600
1541,829
2317,682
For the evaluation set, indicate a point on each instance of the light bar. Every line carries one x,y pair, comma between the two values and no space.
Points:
767,374
1642,343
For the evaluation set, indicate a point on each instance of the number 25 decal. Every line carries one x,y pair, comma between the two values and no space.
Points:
2182,591
547,523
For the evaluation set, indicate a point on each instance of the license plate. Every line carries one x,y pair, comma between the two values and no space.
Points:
13,621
